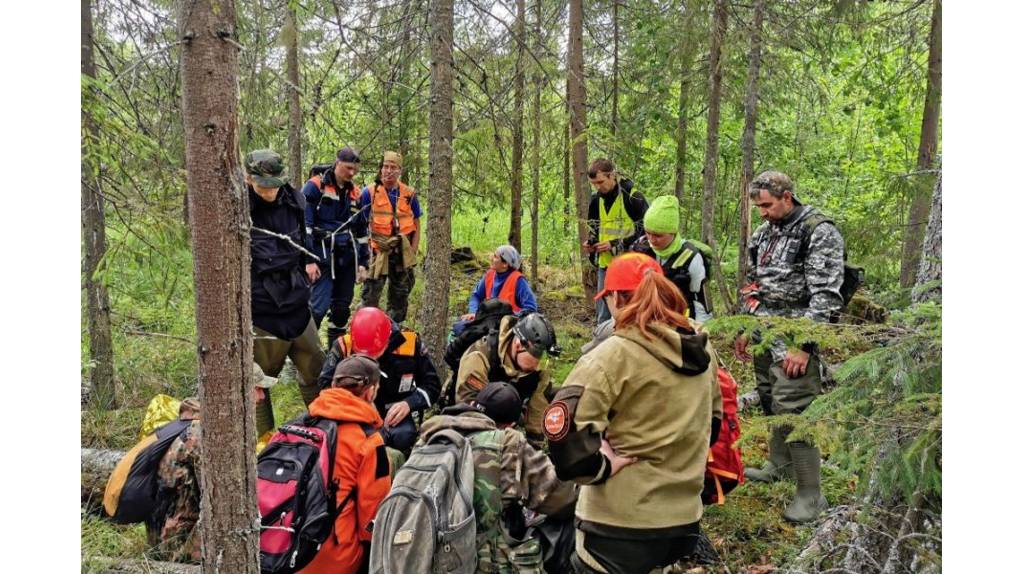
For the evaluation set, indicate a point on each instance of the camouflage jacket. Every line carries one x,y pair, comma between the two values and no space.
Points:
509,475
796,277
174,529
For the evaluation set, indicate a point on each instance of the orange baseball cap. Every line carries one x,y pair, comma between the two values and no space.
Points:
626,271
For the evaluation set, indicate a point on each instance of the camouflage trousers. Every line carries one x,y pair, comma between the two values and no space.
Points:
400,282
781,394
269,352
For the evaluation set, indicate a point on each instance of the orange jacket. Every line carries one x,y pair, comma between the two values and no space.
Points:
384,215
360,463
508,288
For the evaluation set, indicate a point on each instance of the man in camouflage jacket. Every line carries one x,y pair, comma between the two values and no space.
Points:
794,269
510,476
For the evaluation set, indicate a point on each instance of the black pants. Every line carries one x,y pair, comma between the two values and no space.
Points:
335,294
614,555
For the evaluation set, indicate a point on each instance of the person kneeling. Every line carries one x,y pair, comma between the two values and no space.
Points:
361,466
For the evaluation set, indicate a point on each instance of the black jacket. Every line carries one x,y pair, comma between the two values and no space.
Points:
280,288
410,377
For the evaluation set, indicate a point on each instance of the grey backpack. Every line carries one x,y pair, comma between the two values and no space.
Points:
426,524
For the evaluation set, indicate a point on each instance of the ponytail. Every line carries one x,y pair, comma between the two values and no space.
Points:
655,300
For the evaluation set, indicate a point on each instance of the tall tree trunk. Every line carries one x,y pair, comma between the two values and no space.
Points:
434,314
615,72
94,236
707,231
749,128
926,150
577,90
291,46
515,232
566,182
681,127
714,101
929,275
538,86
219,221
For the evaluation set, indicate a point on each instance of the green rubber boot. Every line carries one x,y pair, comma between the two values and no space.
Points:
808,503
779,465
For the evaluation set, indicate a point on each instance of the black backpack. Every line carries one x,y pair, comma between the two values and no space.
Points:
488,318
131,493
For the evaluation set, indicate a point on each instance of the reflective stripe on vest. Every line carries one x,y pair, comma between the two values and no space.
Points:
406,349
384,216
614,224
508,288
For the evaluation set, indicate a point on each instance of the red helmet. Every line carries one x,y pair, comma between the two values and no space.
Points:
371,330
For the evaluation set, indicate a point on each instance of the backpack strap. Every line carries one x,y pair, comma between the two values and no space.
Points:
497,370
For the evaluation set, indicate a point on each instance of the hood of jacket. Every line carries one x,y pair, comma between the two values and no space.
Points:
462,418
680,351
342,406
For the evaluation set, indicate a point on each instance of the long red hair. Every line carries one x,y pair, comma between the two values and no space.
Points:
655,299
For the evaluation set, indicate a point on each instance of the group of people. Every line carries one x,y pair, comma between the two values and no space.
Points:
627,432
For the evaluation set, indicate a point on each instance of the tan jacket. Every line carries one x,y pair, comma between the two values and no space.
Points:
475,366
651,399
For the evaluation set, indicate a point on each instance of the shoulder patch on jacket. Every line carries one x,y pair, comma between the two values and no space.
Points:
556,421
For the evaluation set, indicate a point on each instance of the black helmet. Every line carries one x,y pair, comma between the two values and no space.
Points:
535,330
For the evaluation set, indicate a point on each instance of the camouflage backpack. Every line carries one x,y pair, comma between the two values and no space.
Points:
498,549
426,524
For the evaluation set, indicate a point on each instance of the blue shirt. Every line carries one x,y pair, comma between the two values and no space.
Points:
524,295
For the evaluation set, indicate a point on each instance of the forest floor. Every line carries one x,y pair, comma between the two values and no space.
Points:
747,531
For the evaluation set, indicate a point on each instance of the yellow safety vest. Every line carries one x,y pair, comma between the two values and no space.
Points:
614,224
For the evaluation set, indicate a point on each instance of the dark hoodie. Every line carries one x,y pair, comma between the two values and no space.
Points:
651,399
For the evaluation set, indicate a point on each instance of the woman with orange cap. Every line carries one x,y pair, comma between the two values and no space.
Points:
632,424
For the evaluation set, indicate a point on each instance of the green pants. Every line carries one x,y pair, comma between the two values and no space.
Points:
782,395
400,282
269,352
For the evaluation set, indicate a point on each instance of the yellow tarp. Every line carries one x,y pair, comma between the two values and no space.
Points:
162,409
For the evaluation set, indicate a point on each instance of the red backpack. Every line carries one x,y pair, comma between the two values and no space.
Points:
296,493
725,461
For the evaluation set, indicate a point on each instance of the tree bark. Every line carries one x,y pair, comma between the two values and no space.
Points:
515,232
577,92
566,182
714,101
291,41
926,151
687,49
94,236
219,221
929,275
681,127
538,86
749,129
434,314
615,71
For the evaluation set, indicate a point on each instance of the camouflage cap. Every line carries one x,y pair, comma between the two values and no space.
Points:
188,409
266,168
774,182
260,379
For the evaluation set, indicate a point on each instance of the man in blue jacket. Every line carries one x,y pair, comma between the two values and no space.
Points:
332,201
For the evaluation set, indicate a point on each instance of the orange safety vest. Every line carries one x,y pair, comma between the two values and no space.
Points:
508,288
353,194
384,216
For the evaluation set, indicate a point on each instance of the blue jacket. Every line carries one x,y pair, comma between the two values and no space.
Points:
326,212
524,295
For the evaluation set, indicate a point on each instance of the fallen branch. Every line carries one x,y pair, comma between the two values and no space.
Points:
97,464
141,566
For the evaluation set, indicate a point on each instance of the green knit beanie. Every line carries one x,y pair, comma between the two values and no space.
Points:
663,215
